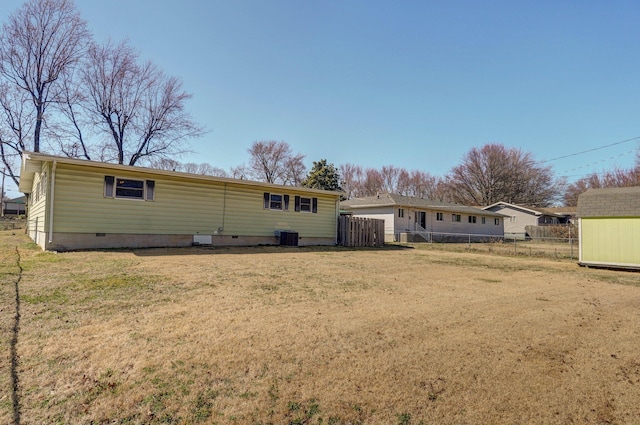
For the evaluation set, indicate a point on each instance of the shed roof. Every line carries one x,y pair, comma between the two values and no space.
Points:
391,199
610,202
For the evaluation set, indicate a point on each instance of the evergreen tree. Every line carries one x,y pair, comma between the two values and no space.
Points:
323,176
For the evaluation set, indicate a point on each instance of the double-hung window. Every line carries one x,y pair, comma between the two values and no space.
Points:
304,204
279,202
276,201
116,187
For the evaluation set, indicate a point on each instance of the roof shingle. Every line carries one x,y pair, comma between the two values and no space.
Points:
390,199
610,202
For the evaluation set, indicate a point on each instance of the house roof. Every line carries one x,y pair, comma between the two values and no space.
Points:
537,211
32,163
18,200
392,200
610,202
561,211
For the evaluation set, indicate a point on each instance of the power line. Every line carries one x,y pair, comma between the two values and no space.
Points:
598,162
590,150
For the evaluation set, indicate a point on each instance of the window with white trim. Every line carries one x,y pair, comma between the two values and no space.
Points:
306,204
276,201
473,219
456,218
496,221
484,220
117,187
439,216
401,212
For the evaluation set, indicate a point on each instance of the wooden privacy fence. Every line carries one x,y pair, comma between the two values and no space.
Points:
353,231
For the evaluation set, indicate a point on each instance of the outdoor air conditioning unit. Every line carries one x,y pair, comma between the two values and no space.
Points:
289,238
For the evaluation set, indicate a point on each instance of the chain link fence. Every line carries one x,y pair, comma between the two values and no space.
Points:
550,247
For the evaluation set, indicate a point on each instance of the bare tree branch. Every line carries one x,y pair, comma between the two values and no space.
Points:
274,162
494,173
41,42
139,108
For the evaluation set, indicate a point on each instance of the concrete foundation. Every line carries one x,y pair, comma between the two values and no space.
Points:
82,241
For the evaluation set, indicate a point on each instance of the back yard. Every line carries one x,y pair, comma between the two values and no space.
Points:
314,336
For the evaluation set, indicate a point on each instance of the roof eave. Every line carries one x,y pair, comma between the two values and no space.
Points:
32,163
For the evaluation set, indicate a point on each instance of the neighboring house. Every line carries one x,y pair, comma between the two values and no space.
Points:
405,214
78,204
14,206
520,216
609,226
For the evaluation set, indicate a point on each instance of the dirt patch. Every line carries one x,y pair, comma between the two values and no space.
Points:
309,335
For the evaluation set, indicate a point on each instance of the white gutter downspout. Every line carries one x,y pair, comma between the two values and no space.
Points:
51,193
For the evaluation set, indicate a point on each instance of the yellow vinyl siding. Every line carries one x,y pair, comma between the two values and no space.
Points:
611,240
38,203
180,206
245,214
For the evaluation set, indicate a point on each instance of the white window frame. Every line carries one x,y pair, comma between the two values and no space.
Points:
439,216
473,219
496,221
456,218
401,212
113,183
305,204
270,201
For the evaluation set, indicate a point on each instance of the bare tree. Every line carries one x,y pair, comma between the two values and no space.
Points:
275,162
205,169
419,184
351,179
495,173
70,134
613,178
167,164
390,178
240,172
295,171
138,108
39,44
16,125
372,183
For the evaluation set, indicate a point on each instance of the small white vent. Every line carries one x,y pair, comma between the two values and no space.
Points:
202,239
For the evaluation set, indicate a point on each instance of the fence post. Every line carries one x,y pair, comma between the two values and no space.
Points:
571,245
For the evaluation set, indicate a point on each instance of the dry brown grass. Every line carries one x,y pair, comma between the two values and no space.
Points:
310,335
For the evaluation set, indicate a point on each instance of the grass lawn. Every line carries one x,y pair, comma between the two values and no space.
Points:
314,336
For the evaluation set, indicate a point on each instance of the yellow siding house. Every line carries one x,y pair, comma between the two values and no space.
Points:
77,204
610,227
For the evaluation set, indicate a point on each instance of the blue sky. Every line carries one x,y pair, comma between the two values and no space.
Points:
414,84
